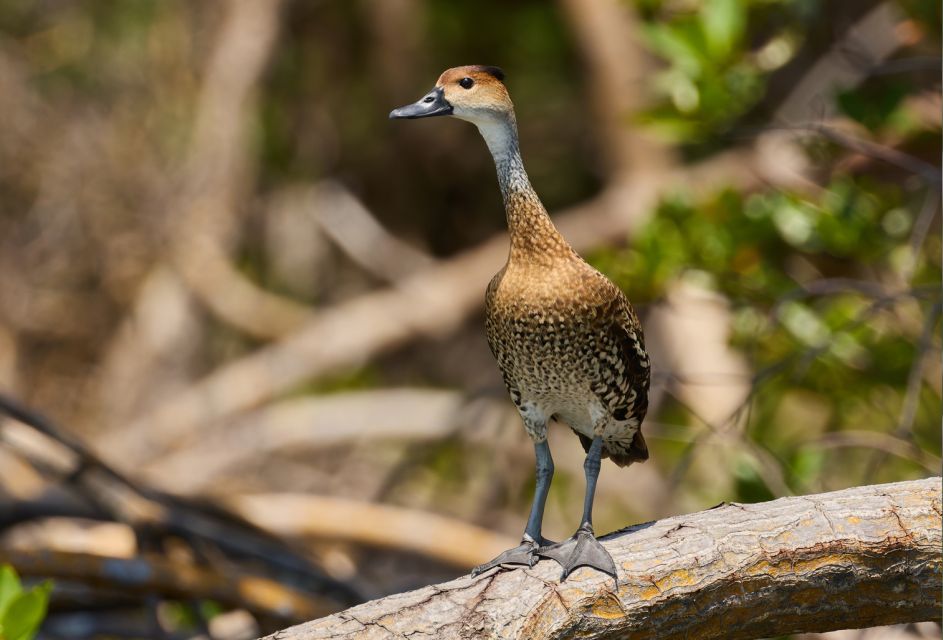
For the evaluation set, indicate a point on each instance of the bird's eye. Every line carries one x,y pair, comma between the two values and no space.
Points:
466,83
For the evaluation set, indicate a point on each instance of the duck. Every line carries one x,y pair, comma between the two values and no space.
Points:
567,341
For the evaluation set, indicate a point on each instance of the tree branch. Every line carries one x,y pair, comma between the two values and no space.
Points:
855,558
444,539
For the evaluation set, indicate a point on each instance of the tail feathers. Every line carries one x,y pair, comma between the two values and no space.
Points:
637,452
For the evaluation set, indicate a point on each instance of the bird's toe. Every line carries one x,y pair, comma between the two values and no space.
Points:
524,555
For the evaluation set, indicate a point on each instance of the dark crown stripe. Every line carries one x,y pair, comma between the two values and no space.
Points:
497,72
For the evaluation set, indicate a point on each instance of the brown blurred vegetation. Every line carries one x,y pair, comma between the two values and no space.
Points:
225,271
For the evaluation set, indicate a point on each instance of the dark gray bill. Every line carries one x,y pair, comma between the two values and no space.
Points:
431,104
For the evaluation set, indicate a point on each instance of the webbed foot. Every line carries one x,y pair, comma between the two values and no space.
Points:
525,554
581,550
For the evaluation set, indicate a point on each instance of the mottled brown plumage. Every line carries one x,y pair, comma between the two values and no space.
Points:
566,339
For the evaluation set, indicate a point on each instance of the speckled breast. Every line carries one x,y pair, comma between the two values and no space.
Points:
544,342
566,340
540,353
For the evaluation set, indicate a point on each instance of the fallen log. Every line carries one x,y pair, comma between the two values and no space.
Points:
855,558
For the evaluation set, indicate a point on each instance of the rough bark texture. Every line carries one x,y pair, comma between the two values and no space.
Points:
855,558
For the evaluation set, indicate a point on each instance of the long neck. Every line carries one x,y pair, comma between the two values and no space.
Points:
532,232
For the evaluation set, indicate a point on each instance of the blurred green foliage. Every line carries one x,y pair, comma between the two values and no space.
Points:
716,70
843,349
834,290
743,243
21,610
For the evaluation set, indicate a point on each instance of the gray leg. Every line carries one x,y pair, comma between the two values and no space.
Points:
583,550
544,476
591,469
525,553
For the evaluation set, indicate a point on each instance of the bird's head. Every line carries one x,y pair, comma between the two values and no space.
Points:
474,93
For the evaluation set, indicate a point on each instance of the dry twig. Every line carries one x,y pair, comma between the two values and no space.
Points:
443,539
158,519
309,423
618,69
154,575
215,172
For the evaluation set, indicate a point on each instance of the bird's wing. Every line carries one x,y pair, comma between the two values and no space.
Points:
624,366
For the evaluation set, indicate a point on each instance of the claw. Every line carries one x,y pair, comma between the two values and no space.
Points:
581,550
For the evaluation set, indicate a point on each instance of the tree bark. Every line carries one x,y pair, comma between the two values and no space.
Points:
860,557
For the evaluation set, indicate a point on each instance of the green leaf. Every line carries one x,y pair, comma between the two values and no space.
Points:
723,22
874,104
670,127
9,587
25,613
675,43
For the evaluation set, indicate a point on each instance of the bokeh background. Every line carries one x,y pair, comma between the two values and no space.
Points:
235,285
